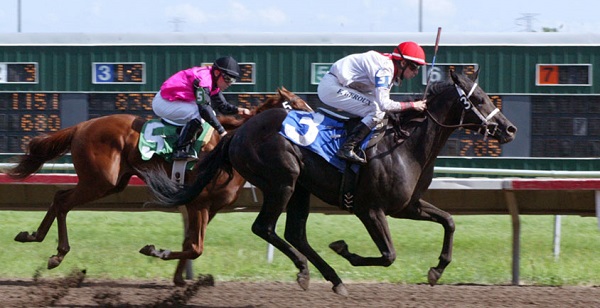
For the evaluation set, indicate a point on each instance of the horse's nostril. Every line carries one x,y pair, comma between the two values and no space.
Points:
512,129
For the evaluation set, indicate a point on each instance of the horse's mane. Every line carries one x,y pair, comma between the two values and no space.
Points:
439,87
439,91
268,103
231,122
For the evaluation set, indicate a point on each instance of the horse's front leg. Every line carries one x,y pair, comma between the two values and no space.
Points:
427,211
376,223
193,244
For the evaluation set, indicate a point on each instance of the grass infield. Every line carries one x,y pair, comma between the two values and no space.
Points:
106,244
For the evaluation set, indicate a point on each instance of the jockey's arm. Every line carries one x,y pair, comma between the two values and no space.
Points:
206,111
382,95
223,106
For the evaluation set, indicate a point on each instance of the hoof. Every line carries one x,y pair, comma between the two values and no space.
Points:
433,276
206,280
23,237
179,282
340,289
53,262
147,250
339,246
303,280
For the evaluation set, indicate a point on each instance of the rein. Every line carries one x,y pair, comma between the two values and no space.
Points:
488,128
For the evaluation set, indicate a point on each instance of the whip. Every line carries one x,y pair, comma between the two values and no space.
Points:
437,43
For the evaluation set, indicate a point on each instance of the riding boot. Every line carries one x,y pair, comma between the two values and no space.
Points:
186,138
354,140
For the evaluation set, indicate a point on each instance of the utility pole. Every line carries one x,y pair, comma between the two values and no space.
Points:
176,21
19,16
420,15
526,21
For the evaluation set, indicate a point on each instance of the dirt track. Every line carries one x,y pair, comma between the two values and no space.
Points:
77,291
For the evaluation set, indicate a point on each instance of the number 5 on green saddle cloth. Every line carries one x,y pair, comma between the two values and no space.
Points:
159,138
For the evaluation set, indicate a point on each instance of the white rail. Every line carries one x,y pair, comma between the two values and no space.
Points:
446,170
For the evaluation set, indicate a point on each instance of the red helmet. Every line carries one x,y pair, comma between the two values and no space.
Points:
410,51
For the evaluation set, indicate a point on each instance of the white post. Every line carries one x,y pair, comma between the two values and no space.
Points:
557,224
270,251
598,207
270,248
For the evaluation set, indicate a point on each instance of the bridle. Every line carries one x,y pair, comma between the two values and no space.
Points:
486,127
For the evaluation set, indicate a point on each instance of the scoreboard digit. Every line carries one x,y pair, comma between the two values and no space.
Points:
118,72
317,71
18,72
25,115
563,75
441,72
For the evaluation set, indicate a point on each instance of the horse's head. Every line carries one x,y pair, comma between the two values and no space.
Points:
285,99
473,109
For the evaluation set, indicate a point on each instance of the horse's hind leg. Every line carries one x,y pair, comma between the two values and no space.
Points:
265,223
63,202
40,234
427,211
295,234
375,222
55,208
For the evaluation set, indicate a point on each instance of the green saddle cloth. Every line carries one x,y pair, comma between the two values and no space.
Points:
159,138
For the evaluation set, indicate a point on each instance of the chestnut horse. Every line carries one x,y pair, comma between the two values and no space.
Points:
392,183
105,155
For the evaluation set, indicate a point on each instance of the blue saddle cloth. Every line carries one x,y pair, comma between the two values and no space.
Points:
318,133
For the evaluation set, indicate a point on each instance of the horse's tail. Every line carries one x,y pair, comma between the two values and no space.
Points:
208,169
42,149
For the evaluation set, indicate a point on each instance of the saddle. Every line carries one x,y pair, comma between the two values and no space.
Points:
158,137
403,125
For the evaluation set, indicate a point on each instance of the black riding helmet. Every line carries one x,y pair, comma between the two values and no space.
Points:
228,65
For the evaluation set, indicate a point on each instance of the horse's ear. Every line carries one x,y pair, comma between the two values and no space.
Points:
475,75
454,77
283,91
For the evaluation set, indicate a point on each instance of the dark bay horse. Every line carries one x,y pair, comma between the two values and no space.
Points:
105,156
392,183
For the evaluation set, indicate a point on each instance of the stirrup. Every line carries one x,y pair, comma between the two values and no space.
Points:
183,154
350,156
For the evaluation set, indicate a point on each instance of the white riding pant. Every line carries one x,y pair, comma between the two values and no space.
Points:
176,112
334,94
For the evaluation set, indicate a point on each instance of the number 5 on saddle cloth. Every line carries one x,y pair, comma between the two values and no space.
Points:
319,133
158,137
